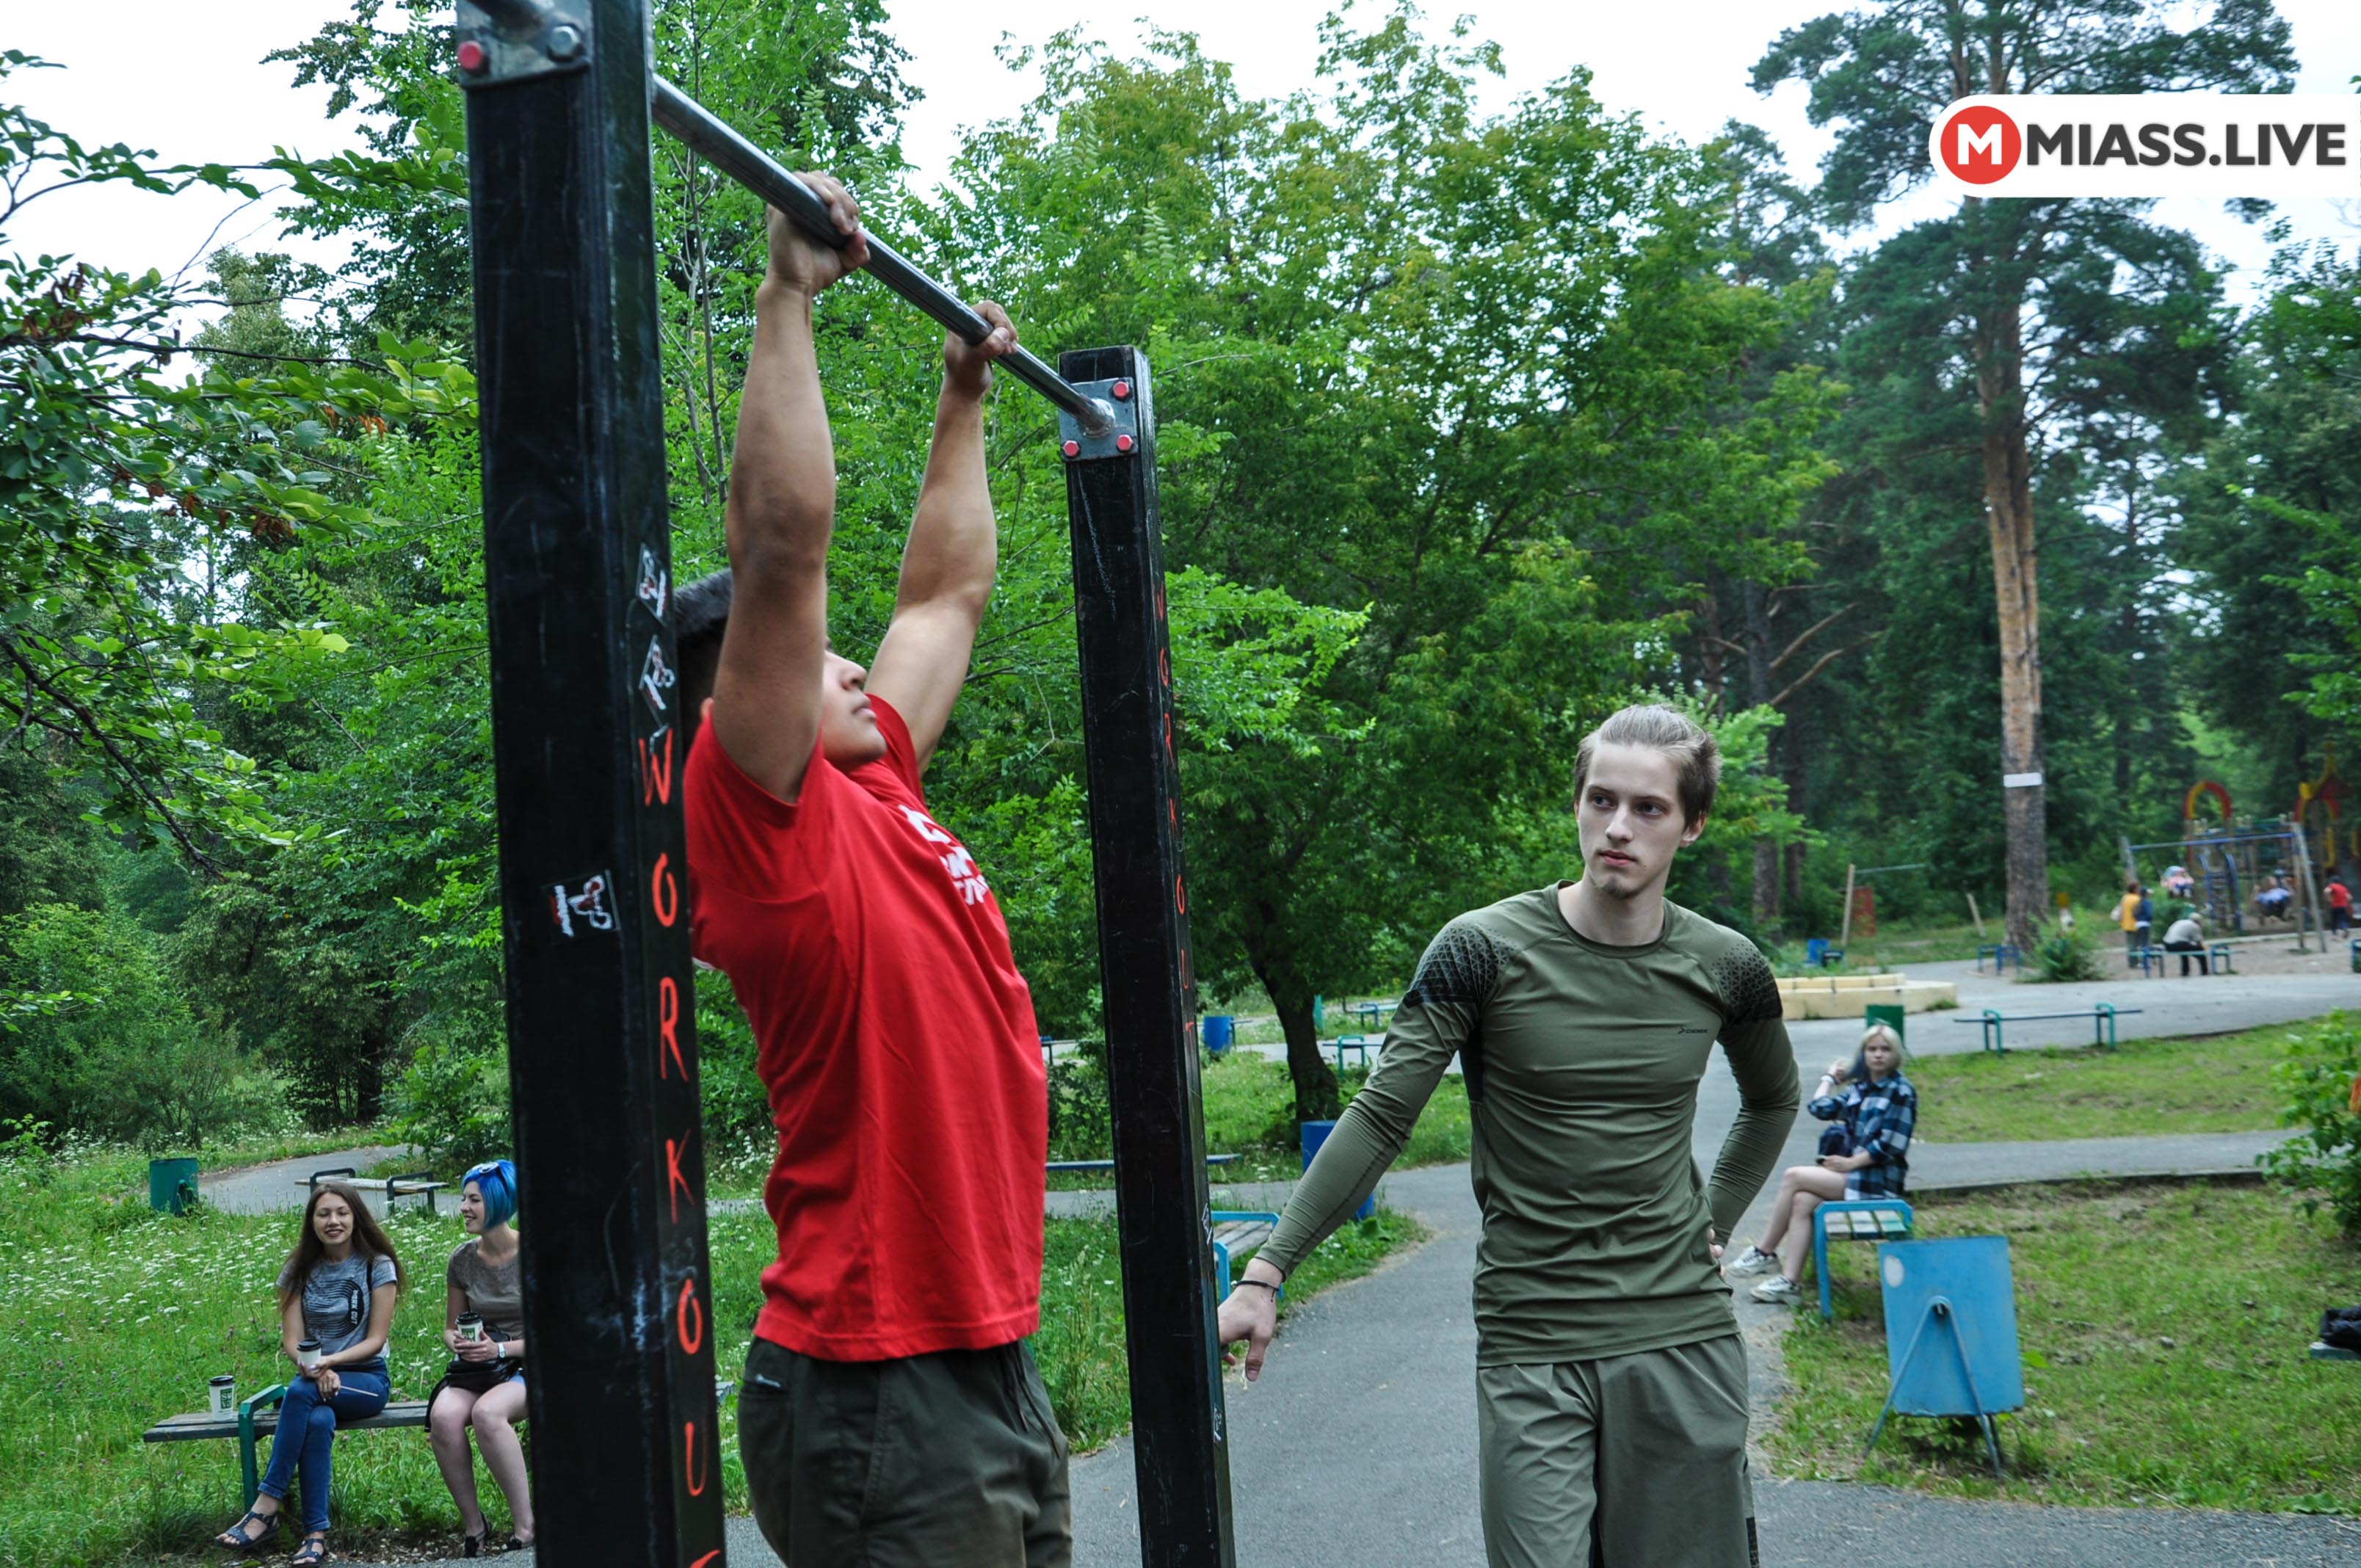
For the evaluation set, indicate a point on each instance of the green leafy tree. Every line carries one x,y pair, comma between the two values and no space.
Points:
2031,313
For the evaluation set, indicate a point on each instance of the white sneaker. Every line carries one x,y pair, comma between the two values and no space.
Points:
1779,1290
1754,1260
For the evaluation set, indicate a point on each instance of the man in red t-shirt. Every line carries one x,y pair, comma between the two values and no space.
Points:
890,1414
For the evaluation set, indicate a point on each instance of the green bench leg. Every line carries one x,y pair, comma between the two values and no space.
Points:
275,1394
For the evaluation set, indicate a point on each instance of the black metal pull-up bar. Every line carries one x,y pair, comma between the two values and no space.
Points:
710,139
539,35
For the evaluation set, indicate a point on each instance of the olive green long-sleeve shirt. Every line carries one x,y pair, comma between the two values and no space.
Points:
1582,1063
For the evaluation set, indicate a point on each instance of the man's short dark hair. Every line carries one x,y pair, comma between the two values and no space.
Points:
700,614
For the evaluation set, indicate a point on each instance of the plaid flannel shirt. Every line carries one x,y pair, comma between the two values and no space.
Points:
1881,1117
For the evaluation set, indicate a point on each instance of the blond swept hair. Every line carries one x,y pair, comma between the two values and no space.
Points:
1697,761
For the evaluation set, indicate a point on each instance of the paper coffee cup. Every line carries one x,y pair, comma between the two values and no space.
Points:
307,1354
221,1395
471,1327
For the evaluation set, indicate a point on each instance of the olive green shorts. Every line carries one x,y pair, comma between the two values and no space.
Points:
1630,1462
929,1461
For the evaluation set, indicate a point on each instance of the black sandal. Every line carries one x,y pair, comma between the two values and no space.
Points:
478,1544
314,1550
234,1538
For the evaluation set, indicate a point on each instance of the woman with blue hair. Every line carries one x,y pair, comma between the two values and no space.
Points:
484,1386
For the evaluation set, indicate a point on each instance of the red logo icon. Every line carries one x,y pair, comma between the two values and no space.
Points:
1980,144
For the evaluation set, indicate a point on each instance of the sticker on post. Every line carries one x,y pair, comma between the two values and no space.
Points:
2020,781
655,590
656,676
580,907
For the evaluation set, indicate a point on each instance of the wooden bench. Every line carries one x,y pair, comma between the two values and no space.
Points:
259,1414
1236,1231
2002,954
1361,1043
1855,1220
410,1184
2103,1016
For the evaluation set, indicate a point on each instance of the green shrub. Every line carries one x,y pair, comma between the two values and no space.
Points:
453,1102
114,1051
2323,1164
2066,954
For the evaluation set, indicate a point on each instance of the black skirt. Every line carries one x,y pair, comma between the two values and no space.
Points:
478,1376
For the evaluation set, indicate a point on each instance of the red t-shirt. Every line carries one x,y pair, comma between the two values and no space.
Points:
2339,895
898,1042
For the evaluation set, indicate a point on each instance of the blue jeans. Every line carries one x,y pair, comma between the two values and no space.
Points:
307,1436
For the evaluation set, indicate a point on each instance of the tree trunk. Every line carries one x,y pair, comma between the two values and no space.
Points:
2128,712
1765,900
1766,884
1314,1080
2008,512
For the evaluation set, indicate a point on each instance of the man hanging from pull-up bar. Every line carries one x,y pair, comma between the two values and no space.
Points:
891,1414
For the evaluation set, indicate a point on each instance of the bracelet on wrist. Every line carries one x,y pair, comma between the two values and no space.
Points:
1268,1285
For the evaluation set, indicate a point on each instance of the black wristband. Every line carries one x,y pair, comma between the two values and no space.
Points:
1264,1283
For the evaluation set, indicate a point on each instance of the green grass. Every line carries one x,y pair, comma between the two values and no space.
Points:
113,1317
2165,1330
1249,1107
2208,1083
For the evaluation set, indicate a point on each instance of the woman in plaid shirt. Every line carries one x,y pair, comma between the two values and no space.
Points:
1878,1110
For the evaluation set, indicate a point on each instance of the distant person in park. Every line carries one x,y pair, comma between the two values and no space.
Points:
336,1294
1611,1380
2340,904
2186,936
2274,898
891,1414
1865,1153
2134,916
484,1386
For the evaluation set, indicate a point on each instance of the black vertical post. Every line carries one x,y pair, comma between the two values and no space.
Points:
1180,1443
602,1052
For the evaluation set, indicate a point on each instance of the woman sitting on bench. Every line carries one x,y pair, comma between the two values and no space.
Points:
336,1295
1865,1155
484,1386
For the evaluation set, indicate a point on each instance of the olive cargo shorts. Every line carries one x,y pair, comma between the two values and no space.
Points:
1630,1462
945,1461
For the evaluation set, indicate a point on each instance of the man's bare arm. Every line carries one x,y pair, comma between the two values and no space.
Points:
947,565
766,695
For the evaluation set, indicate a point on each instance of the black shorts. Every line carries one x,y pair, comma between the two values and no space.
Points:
923,1462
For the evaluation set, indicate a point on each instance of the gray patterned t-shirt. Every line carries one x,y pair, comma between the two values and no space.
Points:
336,1302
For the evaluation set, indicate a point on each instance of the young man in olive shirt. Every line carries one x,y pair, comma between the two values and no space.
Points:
1611,1380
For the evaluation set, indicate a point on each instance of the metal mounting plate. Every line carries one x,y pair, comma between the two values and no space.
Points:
561,43
1121,441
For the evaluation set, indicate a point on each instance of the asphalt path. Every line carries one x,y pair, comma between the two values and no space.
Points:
267,1188
1358,1445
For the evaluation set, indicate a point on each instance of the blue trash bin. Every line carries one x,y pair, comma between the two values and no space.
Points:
1218,1032
1314,1133
171,1185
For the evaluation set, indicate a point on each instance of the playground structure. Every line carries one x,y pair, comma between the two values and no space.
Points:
2228,859
1851,995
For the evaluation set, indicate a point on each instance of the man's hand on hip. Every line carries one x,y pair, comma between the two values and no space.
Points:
1251,1313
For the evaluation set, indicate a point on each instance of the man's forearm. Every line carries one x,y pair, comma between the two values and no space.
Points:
954,546
782,473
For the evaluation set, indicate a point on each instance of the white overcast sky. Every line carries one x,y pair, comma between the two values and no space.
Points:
186,77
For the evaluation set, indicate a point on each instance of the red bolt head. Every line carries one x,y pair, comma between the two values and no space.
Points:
1122,389
1073,449
1122,443
471,57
